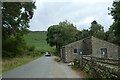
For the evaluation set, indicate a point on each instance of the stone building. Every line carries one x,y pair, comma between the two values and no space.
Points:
90,46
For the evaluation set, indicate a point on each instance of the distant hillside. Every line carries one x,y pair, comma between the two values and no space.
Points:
38,39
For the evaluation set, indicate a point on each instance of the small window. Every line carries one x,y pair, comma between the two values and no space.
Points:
104,52
80,51
75,50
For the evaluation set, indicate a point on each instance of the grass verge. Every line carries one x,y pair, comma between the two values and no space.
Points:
80,72
11,63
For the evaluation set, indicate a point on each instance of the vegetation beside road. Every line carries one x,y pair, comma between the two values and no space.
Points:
36,47
11,63
82,73
15,48
14,27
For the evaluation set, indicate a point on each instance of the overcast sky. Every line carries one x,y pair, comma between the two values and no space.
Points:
79,12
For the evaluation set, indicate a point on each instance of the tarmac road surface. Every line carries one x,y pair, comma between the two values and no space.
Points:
44,67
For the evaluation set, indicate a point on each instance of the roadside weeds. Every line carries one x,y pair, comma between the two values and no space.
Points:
80,72
11,63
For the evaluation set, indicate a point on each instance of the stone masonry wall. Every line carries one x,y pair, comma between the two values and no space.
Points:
97,44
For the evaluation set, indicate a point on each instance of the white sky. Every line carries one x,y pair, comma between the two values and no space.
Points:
79,12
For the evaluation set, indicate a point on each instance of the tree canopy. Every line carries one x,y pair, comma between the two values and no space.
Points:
115,12
15,22
16,17
110,35
97,30
61,34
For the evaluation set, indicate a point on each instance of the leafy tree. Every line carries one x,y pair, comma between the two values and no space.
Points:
97,30
115,12
13,46
15,22
78,35
85,33
16,17
110,35
61,34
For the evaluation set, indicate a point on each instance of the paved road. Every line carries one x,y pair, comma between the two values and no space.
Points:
44,67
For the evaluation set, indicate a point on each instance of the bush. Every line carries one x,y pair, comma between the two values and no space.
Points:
31,48
74,67
33,54
13,46
7,54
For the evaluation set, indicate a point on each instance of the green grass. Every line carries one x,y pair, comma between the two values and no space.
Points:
11,63
38,39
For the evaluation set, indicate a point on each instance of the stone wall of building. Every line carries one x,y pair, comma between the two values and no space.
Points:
91,46
97,44
87,46
69,50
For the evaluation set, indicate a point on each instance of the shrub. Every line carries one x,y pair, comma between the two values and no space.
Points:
13,46
31,48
